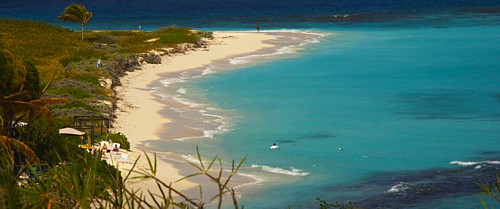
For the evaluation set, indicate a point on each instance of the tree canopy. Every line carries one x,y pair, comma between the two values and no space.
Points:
76,13
20,93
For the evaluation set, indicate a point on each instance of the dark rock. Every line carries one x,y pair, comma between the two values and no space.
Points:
152,58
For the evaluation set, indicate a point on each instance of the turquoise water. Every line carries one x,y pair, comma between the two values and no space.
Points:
403,103
408,89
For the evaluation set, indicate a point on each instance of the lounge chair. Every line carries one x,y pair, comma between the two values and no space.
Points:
117,145
102,143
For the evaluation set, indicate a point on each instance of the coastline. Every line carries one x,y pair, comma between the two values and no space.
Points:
140,114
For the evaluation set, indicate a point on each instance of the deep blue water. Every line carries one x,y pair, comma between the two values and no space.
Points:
408,89
240,14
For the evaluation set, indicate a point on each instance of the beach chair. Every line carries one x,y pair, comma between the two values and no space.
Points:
103,152
102,143
115,149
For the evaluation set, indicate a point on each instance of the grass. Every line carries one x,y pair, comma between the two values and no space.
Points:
59,51
52,48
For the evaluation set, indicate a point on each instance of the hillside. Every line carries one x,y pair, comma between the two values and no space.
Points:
60,53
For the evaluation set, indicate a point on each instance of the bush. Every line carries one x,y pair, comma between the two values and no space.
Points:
74,92
119,138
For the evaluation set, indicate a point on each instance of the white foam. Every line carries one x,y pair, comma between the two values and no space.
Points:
191,158
465,163
400,187
187,138
286,50
219,120
242,60
170,81
209,123
187,102
281,51
290,49
209,133
208,70
342,16
292,172
181,90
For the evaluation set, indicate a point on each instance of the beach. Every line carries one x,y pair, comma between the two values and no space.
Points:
139,114
397,107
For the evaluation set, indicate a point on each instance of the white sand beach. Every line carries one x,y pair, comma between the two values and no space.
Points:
138,115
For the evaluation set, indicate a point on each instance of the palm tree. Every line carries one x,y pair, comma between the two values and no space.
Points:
76,13
10,192
20,94
12,79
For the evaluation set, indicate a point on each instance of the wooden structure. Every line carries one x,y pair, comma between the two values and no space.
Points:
92,124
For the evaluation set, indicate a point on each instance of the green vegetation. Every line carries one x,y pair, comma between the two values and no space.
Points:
74,92
60,52
86,182
139,41
118,138
56,49
47,77
491,190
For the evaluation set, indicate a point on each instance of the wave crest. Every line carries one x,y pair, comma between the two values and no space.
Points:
477,164
401,187
292,172
465,163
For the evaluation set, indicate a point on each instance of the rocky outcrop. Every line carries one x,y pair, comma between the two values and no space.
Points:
151,58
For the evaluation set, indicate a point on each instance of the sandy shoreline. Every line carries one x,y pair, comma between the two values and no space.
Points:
139,114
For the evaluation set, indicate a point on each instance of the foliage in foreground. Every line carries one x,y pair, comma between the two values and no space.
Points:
491,190
340,205
81,183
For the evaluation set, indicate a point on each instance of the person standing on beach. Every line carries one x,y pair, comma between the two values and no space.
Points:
257,27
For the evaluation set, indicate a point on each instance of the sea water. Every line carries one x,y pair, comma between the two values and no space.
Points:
404,105
396,104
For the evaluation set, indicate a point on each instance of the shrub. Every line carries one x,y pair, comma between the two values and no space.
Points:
119,138
88,78
74,92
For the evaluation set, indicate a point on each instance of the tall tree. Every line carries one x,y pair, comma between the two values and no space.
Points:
76,13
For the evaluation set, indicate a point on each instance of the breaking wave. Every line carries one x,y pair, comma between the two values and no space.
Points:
465,163
399,188
291,172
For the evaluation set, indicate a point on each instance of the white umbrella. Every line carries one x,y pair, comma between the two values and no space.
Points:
71,131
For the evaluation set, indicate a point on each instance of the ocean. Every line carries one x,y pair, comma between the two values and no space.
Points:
395,104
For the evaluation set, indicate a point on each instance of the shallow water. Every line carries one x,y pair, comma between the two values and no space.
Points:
404,104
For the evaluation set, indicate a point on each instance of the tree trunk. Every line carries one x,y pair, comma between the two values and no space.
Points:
83,29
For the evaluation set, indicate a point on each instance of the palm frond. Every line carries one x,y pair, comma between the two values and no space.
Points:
22,147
